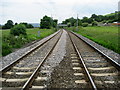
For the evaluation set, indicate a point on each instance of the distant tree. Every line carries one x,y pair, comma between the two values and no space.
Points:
84,24
90,20
85,20
46,22
55,21
8,25
110,21
79,22
63,22
94,23
70,20
18,29
27,25
16,23
69,24
118,17
94,16
109,18
30,26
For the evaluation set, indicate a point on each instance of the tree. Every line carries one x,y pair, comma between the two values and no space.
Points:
16,23
70,20
69,24
18,29
30,26
94,23
27,25
94,16
118,16
90,20
46,22
55,21
85,20
79,22
84,24
8,25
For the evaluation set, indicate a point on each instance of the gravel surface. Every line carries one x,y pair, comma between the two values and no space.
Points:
110,53
15,55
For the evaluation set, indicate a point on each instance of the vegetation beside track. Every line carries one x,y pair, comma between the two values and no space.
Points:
10,42
106,36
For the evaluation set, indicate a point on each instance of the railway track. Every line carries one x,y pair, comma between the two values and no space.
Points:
21,73
83,67
102,71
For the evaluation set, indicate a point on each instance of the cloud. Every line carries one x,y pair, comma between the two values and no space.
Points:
34,10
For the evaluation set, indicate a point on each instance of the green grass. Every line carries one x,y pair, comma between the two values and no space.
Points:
29,31
9,42
105,36
43,33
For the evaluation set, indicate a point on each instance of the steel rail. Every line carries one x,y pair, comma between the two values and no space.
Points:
85,68
9,66
35,73
109,59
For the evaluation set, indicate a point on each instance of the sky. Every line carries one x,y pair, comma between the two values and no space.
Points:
32,11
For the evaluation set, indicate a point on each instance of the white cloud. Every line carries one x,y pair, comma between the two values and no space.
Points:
34,10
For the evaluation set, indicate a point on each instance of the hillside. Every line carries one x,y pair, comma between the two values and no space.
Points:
112,14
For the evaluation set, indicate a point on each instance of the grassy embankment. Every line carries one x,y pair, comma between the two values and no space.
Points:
105,36
9,42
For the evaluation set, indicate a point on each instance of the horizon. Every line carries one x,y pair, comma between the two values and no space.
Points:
44,15
58,9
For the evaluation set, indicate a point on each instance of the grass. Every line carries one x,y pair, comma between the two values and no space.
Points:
105,36
9,42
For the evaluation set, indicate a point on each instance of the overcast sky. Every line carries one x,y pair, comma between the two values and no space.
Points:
32,11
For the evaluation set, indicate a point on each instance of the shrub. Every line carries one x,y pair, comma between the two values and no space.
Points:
85,24
94,23
6,49
18,29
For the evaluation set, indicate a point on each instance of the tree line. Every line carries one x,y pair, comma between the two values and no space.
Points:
11,24
93,20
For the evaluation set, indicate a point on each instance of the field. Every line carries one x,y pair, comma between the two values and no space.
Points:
106,36
29,31
9,42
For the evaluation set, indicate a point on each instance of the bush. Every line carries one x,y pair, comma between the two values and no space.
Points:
85,24
6,49
18,29
11,41
94,23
